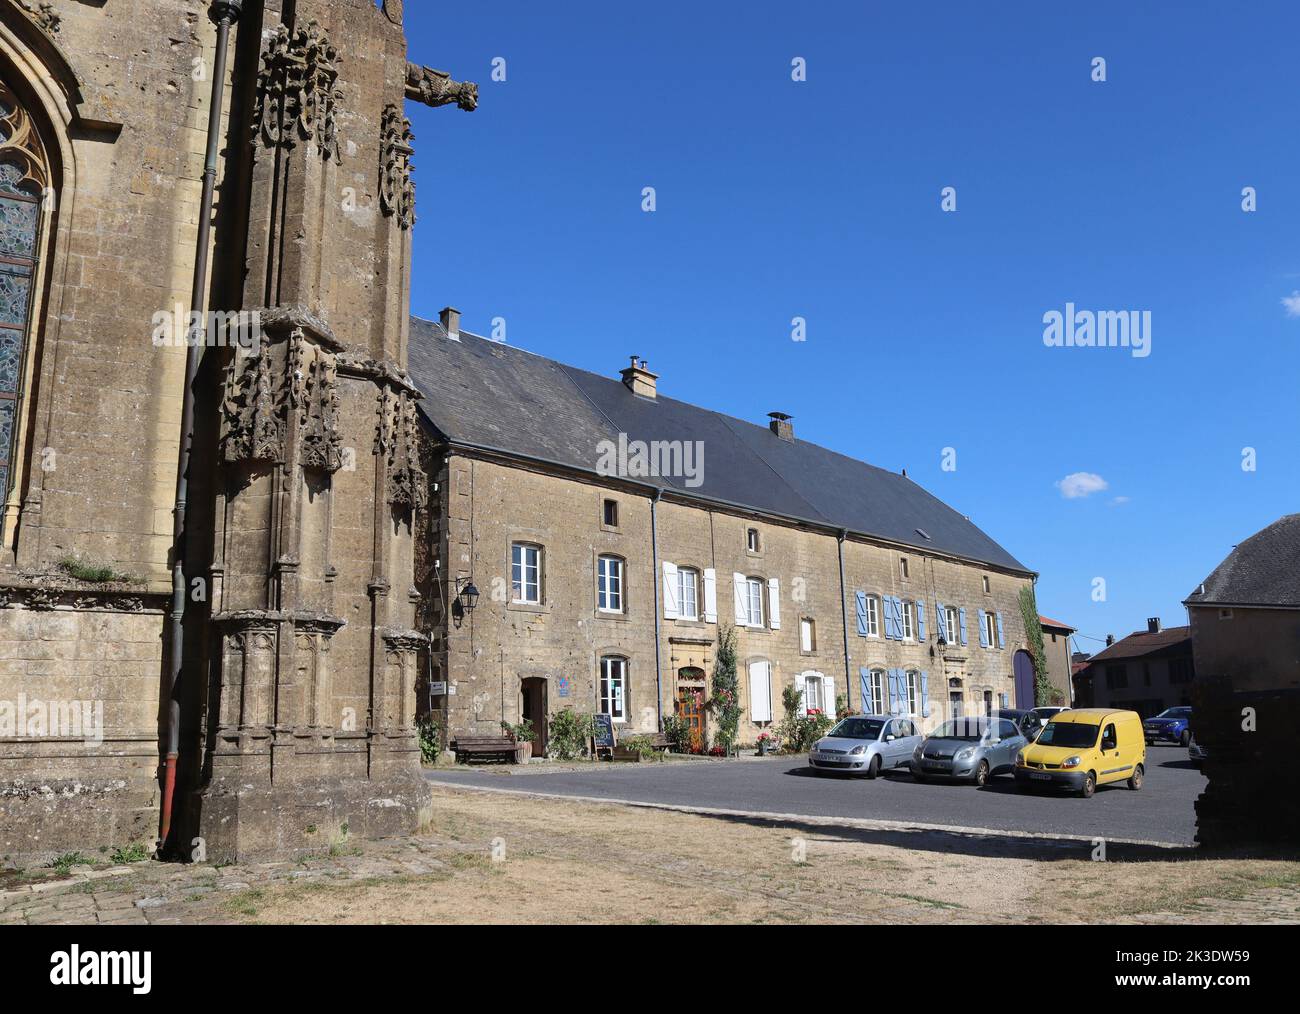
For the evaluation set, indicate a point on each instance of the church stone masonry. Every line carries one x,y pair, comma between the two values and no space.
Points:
297,691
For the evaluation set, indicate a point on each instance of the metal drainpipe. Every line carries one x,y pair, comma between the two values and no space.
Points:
654,561
225,13
844,614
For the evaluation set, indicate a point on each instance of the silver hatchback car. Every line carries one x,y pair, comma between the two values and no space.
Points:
865,745
969,749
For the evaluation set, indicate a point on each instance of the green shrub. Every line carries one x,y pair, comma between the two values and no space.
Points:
678,731
520,733
643,746
430,733
799,732
569,734
129,854
94,573
65,862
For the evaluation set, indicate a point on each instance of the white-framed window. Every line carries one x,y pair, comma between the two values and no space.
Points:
688,583
613,687
876,690
807,635
954,624
913,692
812,695
909,621
991,629
873,616
752,541
609,513
609,587
754,601
526,573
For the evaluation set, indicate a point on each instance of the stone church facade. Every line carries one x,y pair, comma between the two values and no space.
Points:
282,715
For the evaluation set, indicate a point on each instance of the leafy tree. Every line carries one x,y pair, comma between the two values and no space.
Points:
725,702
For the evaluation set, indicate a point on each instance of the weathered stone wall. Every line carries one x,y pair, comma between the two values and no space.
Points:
484,505
1259,649
78,728
122,111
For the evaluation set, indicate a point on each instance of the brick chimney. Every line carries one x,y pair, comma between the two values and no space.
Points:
781,425
639,380
1153,625
449,318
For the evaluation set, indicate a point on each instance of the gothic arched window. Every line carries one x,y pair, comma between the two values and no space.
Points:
23,182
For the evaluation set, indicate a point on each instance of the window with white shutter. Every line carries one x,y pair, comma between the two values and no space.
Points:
710,595
760,691
672,606
687,593
773,603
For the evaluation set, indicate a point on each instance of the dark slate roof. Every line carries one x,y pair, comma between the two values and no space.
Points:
1143,644
484,394
1262,571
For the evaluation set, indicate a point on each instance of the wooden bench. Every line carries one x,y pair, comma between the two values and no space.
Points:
466,747
657,740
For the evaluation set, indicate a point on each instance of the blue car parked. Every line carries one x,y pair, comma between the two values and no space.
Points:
1170,726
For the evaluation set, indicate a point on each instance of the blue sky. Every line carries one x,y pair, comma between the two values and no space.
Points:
821,199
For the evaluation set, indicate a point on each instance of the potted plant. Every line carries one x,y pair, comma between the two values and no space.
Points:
766,741
522,735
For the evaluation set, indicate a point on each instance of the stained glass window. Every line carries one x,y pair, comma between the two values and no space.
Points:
22,183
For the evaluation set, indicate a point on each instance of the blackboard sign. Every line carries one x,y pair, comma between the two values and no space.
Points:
602,730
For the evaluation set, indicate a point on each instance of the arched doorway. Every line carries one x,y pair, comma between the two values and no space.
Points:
1024,673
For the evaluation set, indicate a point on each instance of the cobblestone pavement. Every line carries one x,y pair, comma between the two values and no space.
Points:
169,893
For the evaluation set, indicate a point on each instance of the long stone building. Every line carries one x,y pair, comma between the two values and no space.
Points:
611,532
160,158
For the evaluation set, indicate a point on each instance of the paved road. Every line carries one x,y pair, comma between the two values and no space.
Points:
1161,812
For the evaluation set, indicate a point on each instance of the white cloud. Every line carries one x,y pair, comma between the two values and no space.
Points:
1080,484
1119,501
1292,304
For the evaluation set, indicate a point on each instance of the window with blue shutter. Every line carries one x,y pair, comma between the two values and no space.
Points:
920,620
891,618
861,598
984,636
1002,641
961,619
864,680
925,694
941,618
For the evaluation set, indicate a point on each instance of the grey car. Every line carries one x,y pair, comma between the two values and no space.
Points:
865,745
969,749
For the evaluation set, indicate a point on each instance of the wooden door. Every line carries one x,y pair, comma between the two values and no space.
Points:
690,708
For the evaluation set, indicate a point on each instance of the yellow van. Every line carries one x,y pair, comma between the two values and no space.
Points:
1082,749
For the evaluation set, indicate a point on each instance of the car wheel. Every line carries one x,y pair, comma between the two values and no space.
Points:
1135,780
873,769
982,774
1089,785
1186,737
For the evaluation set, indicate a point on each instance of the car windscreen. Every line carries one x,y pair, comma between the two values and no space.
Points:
1069,734
971,729
858,728
1175,713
